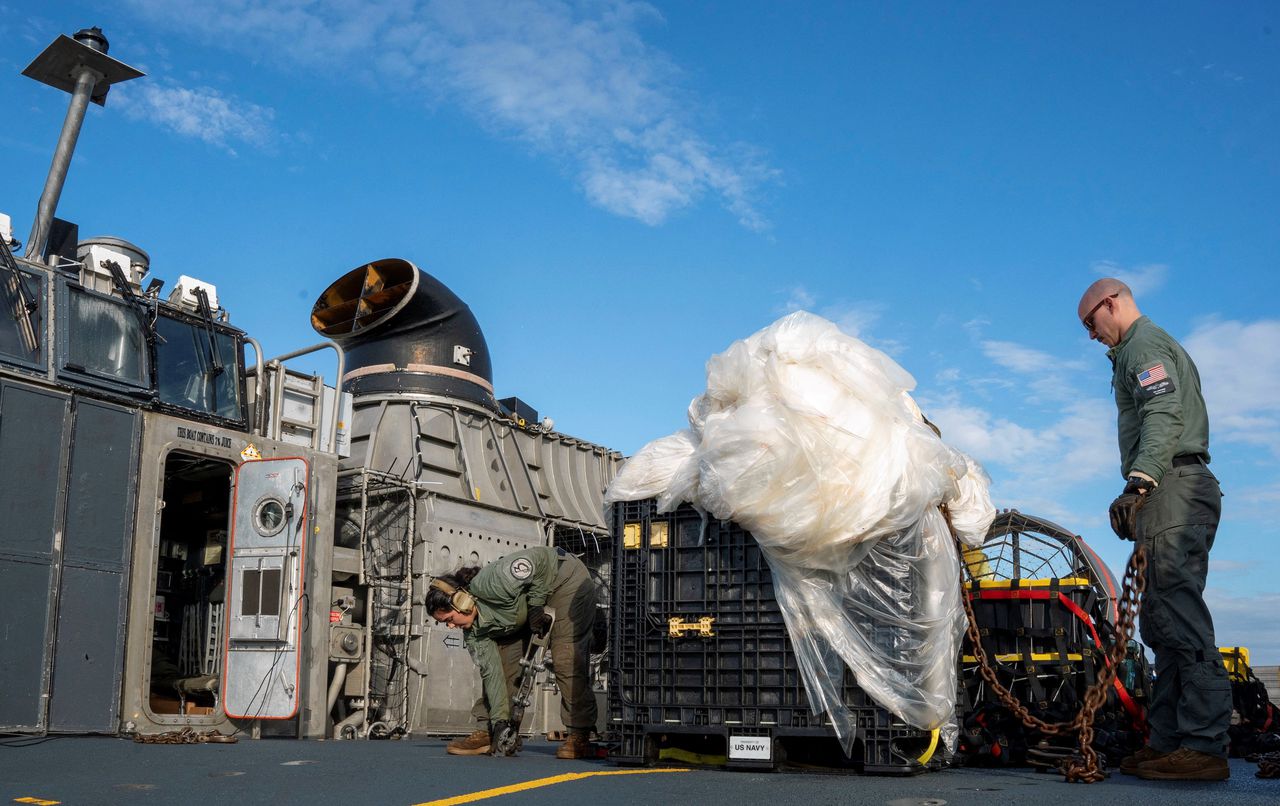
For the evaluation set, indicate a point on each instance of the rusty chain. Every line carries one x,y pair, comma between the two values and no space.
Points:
185,736
1084,767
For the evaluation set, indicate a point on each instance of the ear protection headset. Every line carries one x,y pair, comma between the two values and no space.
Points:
459,599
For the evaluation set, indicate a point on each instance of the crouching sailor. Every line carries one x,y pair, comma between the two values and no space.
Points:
498,608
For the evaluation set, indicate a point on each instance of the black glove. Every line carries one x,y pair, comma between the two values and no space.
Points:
496,730
539,621
1124,510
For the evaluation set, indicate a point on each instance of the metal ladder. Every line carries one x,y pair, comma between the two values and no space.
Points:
305,392
211,663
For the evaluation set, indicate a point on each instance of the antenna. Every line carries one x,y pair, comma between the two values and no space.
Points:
81,67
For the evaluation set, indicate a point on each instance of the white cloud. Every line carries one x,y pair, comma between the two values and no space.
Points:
1229,566
858,319
1239,365
1140,279
574,80
1026,360
983,435
1251,621
199,112
1036,469
853,318
799,299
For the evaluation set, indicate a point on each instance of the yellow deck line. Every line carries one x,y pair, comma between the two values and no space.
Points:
537,782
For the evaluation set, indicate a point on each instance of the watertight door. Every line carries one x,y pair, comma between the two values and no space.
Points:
264,589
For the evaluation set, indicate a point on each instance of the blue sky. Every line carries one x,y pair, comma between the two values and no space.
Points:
620,190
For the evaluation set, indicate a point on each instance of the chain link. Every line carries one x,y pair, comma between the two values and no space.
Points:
185,736
1084,767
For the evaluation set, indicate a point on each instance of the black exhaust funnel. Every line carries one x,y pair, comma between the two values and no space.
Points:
404,331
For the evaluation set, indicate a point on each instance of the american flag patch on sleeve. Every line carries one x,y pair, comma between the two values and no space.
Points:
1150,376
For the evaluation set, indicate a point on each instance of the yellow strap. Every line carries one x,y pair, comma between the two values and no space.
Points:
933,745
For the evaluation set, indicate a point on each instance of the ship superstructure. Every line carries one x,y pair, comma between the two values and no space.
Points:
193,539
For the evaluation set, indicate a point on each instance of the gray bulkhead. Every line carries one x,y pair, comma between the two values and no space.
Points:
127,423
168,441
66,505
476,487
141,590
104,402
440,475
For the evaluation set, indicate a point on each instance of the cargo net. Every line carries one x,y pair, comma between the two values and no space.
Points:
1045,608
376,514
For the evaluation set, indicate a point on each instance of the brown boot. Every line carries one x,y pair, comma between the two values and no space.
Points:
1129,764
477,744
578,746
1185,764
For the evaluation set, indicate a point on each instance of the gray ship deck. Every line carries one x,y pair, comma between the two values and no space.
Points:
99,770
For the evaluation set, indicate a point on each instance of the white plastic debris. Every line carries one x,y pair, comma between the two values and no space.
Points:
810,439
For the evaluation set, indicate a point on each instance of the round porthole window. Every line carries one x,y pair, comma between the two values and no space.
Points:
269,517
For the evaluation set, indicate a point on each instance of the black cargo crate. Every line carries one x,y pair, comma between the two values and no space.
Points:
700,655
1037,638
1035,616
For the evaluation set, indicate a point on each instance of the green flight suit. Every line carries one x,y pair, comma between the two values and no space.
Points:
505,590
1164,432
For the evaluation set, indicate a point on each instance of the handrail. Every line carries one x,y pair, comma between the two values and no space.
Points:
337,385
259,403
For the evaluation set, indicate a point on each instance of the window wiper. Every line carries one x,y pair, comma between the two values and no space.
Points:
146,314
215,359
23,305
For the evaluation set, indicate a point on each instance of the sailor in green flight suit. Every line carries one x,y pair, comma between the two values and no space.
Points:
1171,503
497,607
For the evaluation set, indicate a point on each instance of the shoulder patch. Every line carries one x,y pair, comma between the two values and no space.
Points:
1154,381
1152,375
521,568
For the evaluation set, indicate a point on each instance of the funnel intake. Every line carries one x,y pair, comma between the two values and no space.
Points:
404,331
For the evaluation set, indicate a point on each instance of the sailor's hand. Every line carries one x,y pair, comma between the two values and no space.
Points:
1124,510
539,621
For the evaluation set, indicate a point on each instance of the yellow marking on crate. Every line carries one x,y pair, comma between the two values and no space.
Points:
1032,583
658,534
1235,658
1038,657
976,560
677,627
631,536
37,801
536,783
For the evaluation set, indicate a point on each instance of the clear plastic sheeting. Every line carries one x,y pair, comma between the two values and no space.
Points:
810,439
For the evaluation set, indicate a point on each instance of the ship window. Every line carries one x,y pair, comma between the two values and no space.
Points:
105,338
261,593
197,368
21,318
269,517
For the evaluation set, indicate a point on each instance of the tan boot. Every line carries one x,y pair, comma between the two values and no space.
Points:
477,744
578,746
1129,764
1185,764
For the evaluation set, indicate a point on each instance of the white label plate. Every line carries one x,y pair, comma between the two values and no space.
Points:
755,748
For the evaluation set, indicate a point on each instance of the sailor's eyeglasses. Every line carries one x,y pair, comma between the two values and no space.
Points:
1088,320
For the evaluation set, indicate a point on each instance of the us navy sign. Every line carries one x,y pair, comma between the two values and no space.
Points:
756,748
